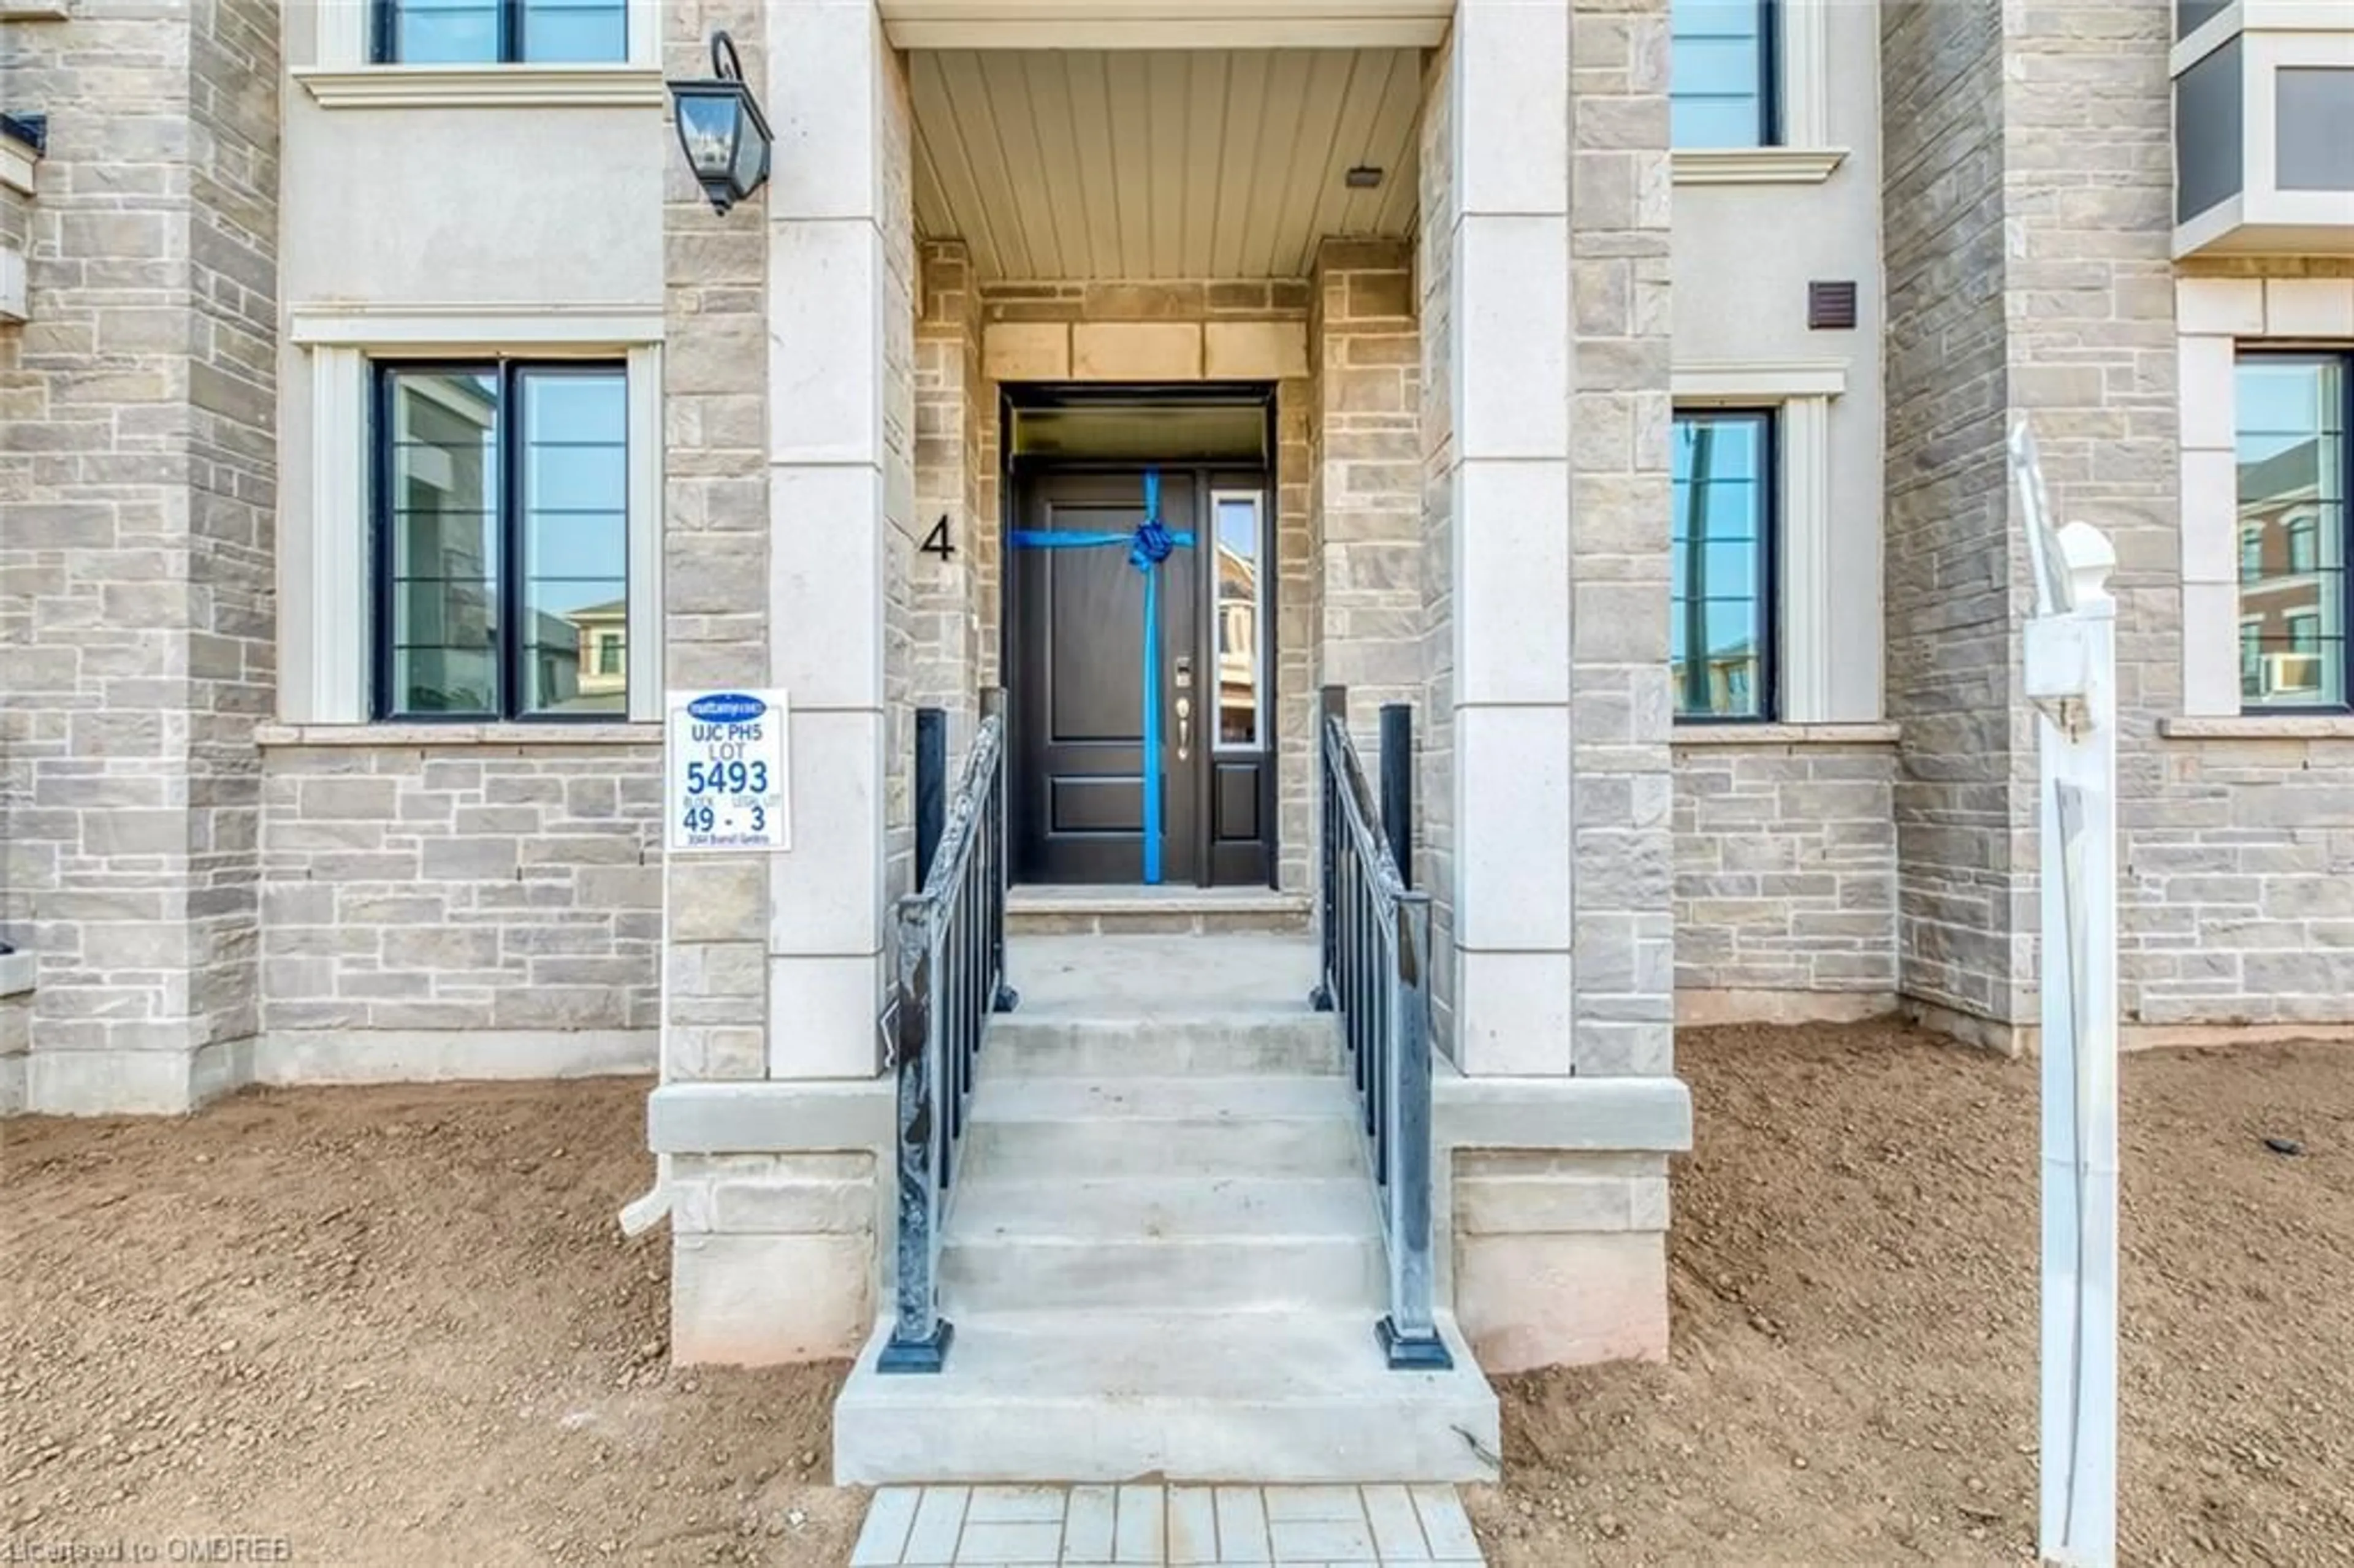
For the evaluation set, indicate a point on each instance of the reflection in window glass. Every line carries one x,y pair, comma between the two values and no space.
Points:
503,541
575,537
443,476
1719,625
2292,493
484,32
1717,66
1240,667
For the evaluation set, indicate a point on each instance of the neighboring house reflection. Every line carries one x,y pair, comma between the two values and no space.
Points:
1237,646
598,673
2282,577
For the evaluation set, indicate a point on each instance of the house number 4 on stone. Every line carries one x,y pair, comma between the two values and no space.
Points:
725,770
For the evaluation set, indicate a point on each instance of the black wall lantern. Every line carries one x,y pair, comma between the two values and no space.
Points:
722,128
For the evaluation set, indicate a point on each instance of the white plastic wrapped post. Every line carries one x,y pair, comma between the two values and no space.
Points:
2071,676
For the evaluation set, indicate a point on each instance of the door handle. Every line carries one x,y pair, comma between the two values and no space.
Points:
1184,727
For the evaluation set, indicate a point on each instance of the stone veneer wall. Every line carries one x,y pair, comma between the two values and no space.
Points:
1182,331
715,560
460,908
947,673
1786,877
1365,358
1620,424
2240,860
138,471
2028,209
1964,798
904,651
1435,747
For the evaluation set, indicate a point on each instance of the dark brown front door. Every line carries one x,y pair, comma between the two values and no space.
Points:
1080,681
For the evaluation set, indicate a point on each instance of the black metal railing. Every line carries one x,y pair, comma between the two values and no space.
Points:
1375,933
948,977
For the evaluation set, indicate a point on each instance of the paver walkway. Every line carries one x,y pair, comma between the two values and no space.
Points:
1101,1527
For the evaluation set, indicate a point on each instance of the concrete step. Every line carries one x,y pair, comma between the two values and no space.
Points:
1033,911
1041,1128
1236,1045
1086,1397
1199,1244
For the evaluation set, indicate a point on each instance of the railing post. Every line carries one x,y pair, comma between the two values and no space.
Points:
931,788
1004,999
1333,701
1409,1335
1398,786
919,1335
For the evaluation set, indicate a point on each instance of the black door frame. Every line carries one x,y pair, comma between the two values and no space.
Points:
1184,865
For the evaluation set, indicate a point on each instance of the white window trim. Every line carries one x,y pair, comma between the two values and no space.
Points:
2274,35
2213,316
1799,392
343,77
326,620
1804,156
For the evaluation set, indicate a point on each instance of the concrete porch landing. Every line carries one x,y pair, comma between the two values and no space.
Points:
1162,1256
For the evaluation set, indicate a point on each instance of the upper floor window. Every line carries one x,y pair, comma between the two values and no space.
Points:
489,32
2295,410
1721,625
502,547
1720,73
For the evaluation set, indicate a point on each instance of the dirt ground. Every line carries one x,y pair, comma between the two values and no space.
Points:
400,1326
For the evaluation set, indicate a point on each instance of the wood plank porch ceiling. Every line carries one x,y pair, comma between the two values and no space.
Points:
1074,165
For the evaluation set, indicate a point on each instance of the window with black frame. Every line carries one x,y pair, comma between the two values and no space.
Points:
1721,628
501,541
501,32
2295,411
1721,74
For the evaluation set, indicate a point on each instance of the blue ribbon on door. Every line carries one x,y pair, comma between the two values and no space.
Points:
1147,546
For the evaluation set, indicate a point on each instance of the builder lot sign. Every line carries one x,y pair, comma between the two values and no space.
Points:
725,773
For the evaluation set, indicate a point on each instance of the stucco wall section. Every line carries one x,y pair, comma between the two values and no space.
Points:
462,887
1786,872
138,473
1620,422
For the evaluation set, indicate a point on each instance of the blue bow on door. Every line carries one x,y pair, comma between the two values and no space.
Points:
1147,546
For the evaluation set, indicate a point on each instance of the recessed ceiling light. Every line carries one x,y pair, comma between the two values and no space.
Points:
1364,177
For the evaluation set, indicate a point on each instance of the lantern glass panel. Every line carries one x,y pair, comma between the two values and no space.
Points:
710,125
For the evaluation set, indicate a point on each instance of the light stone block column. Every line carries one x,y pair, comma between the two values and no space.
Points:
1622,415
1508,259
841,446
1545,423
715,548
788,462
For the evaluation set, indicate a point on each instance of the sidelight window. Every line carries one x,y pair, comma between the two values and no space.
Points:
1240,606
